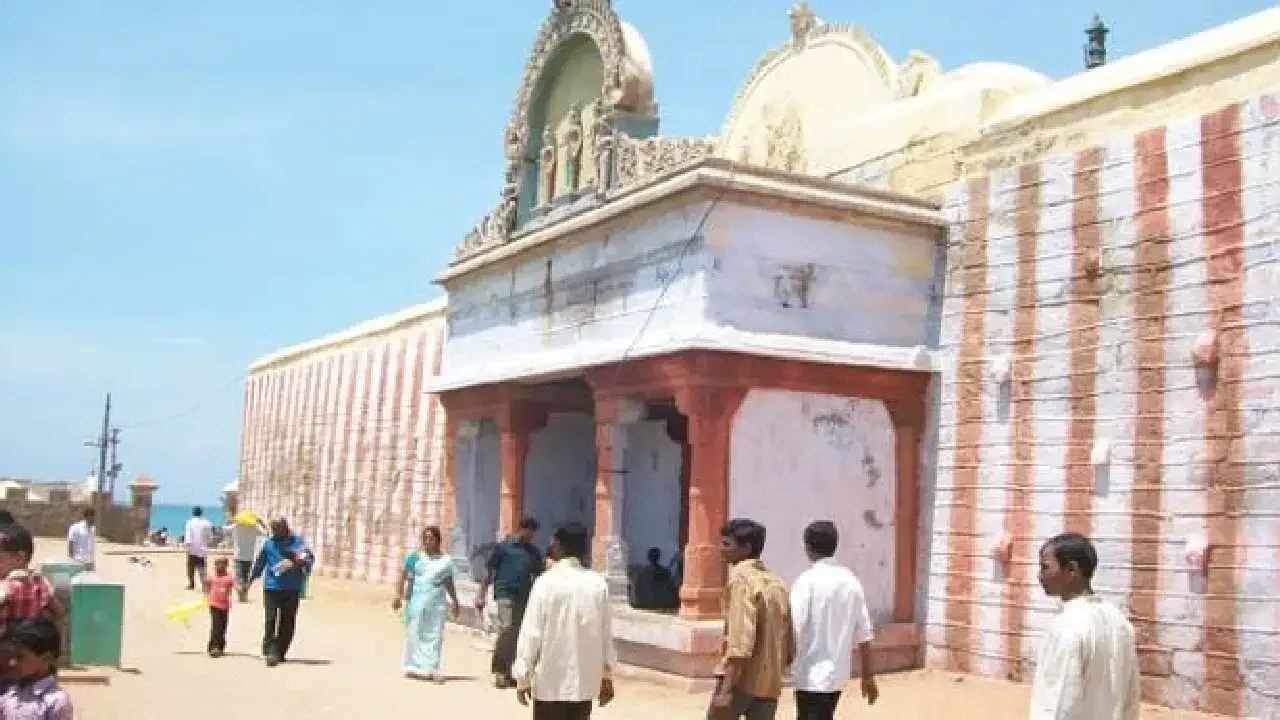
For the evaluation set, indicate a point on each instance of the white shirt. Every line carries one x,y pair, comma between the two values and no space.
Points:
196,536
565,647
829,615
80,542
1088,668
245,538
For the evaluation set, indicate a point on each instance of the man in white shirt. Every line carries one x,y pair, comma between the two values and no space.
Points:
565,655
829,615
1088,667
246,530
196,538
80,544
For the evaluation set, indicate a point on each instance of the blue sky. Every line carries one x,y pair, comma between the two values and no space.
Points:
187,185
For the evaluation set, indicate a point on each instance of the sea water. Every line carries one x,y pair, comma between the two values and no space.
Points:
175,517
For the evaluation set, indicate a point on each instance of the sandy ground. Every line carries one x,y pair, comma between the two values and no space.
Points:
346,656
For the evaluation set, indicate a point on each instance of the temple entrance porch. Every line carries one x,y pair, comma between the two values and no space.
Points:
658,452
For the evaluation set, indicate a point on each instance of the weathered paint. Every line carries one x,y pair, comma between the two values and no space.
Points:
777,273
695,276
836,457
340,439
1138,247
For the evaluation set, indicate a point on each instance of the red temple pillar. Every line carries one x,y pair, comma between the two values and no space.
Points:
607,431
710,412
517,420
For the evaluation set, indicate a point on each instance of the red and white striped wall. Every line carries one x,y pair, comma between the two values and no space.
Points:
340,438
1092,277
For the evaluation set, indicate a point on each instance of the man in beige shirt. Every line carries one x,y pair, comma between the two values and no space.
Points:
758,640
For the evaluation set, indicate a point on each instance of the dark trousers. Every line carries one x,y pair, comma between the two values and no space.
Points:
243,568
510,615
816,705
561,710
195,564
281,608
745,706
218,629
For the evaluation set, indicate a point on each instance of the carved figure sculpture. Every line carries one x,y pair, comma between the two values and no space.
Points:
587,175
603,153
784,143
569,160
506,220
547,169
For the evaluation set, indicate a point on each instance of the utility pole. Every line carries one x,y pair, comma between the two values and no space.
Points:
113,471
106,445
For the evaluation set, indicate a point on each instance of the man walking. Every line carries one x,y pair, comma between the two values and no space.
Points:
196,538
1088,667
283,564
758,642
246,531
512,567
565,655
80,542
829,616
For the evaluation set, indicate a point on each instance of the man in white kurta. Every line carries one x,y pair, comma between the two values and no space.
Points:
565,654
1088,666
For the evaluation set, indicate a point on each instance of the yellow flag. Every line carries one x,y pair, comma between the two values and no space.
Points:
183,612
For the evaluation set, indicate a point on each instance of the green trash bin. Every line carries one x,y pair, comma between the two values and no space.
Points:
60,574
97,622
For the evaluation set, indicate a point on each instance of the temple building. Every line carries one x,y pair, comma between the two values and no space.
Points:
954,311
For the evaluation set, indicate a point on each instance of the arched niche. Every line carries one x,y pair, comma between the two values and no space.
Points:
572,77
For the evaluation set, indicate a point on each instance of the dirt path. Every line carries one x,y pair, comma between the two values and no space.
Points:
346,660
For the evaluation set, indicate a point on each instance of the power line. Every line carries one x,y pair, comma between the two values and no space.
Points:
188,411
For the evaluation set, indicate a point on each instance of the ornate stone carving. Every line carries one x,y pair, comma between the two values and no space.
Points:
841,32
640,161
803,22
597,20
784,140
627,86
917,72
547,169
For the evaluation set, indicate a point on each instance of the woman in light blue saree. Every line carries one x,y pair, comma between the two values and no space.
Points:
427,578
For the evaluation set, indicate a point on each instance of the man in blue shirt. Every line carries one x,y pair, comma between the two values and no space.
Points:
512,567
283,564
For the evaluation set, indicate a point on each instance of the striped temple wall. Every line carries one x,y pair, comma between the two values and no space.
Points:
1079,289
339,437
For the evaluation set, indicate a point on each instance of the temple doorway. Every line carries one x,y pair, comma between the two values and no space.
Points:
560,474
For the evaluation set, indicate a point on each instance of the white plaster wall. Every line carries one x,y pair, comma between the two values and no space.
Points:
478,498
1259,604
587,301
560,474
651,499
996,450
1180,604
800,457
854,270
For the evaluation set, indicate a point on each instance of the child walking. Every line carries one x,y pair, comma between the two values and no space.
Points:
34,646
219,589
24,595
